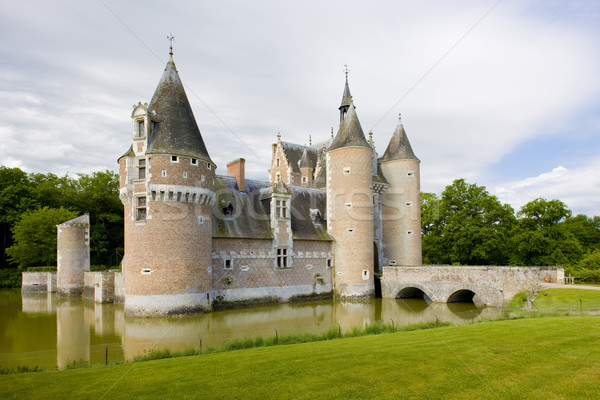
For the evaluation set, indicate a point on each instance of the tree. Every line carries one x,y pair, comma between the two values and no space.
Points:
34,236
472,227
541,236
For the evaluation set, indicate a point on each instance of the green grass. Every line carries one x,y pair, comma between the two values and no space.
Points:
562,300
537,358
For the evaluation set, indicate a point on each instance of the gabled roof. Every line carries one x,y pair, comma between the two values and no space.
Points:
305,203
293,154
174,130
399,147
350,132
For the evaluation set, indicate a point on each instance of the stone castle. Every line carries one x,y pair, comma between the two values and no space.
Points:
324,224
333,220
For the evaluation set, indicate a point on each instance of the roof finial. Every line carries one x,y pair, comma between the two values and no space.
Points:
332,132
399,118
310,140
278,136
346,70
370,135
171,38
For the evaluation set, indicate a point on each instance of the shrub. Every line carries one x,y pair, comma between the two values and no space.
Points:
10,278
42,269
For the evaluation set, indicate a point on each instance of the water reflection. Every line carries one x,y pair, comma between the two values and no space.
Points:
48,331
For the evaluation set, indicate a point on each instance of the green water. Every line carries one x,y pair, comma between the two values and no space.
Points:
44,330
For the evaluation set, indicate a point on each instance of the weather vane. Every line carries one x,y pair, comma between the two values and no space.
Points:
399,117
171,38
346,70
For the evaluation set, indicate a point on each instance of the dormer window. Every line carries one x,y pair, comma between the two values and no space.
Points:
281,208
317,217
140,129
174,159
209,166
194,161
228,210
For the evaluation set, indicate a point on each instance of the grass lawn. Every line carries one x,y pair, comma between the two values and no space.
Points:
537,358
567,300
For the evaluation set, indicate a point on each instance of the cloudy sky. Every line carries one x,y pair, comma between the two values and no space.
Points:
503,93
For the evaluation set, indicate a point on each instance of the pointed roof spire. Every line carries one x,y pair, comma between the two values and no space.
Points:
305,161
350,133
399,147
346,97
175,130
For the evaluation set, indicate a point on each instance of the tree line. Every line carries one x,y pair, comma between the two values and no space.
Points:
466,225
469,226
32,204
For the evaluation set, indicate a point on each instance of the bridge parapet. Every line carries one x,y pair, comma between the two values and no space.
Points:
491,285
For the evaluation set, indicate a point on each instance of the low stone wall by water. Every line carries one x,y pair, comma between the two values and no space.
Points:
38,282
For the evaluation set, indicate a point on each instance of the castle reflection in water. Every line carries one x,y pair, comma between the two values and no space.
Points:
83,329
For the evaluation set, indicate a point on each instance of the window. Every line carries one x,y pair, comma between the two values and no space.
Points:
365,274
228,264
409,232
185,175
282,258
346,170
208,166
409,203
146,271
277,177
142,169
281,208
140,209
140,129
304,179
278,162
194,161
164,173
228,210
411,173
329,262
174,159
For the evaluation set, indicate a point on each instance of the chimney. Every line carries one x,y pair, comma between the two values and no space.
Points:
237,169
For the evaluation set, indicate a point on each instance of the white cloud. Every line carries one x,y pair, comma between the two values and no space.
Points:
579,188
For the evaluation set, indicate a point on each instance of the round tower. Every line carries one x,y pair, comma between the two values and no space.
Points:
167,188
349,207
72,255
401,203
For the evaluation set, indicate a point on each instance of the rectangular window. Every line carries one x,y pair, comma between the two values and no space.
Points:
282,258
140,209
140,131
281,208
174,159
185,175
208,166
142,169
194,161
329,262
278,162
228,263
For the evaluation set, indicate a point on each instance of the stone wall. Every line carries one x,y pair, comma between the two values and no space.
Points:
38,282
492,285
252,275
72,255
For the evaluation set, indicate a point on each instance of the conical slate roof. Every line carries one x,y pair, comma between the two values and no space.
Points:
175,130
350,132
399,147
346,97
305,161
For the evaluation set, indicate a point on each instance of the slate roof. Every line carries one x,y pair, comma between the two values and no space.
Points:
320,181
293,154
303,201
250,217
350,132
346,97
174,127
305,161
399,147
127,153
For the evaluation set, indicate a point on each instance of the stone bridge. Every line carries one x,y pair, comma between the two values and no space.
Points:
484,285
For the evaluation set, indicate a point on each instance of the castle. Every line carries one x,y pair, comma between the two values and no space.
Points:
327,221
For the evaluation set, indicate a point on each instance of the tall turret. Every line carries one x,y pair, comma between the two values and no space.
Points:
167,188
306,169
401,211
349,207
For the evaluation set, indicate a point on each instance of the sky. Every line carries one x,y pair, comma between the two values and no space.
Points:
503,93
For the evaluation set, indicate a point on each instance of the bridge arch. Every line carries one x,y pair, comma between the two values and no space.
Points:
461,296
414,292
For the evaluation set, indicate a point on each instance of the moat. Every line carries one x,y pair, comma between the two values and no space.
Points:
48,331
